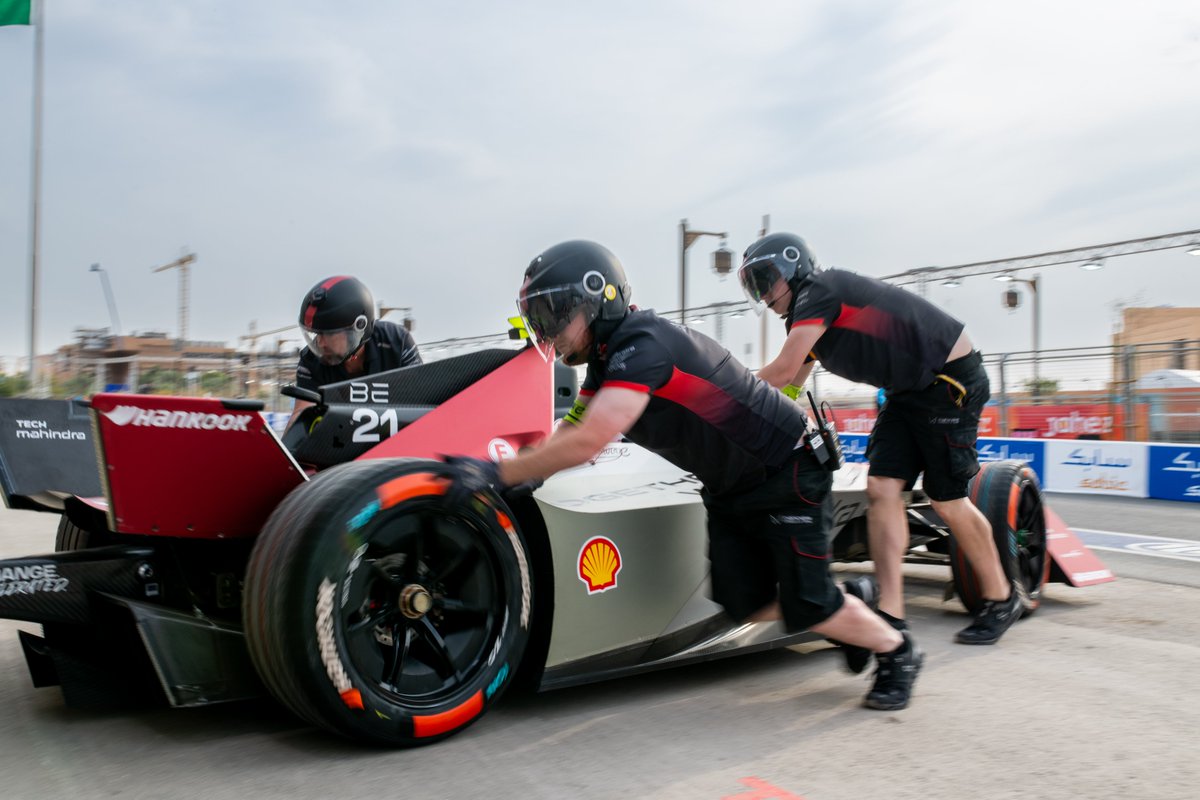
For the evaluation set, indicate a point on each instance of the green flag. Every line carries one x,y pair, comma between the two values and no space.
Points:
15,12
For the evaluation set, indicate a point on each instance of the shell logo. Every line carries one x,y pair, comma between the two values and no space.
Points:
599,563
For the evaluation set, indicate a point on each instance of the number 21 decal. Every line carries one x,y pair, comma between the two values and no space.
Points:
369,430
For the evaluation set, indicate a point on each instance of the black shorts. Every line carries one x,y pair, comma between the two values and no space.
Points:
928,430
772,541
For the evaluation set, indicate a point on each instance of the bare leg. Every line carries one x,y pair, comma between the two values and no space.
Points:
856,624
853,623
974,535
887,532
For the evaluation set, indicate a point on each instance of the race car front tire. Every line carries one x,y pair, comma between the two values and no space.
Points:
375,610
1008,494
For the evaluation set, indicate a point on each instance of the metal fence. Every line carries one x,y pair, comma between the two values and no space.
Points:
1146,392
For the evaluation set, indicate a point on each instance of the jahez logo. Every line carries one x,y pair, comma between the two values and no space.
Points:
188,420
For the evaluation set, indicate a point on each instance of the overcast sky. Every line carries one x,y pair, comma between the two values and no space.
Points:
433,149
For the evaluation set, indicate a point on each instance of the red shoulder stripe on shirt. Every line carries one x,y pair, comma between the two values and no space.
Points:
637,387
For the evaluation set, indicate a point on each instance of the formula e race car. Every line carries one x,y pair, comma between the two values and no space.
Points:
201,557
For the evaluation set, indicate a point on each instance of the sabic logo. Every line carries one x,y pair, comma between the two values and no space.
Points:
188,420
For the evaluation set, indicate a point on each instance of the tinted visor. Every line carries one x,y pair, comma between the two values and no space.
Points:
548,312
334,346
759,275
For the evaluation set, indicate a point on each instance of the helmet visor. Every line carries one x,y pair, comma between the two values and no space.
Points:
333,347
548,312
759,276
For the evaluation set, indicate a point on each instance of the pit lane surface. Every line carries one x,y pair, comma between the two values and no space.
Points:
1091,697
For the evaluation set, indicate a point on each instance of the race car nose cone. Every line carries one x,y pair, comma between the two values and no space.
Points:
415,601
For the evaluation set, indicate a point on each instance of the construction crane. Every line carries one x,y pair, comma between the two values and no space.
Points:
183,265
254,335
108,295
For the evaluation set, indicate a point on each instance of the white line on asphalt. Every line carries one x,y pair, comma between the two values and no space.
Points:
1193,559
1132,535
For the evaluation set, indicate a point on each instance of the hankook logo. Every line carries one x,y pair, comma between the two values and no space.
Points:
188,420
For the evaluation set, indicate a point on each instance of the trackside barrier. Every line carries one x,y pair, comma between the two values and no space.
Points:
1083,466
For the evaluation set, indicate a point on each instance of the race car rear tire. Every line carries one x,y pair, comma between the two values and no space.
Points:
1007,493
375,610
72,537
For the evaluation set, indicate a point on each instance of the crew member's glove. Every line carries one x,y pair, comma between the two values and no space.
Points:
792,390
470,476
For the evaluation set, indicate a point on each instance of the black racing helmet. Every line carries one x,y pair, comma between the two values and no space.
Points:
772,258
568,279
337,315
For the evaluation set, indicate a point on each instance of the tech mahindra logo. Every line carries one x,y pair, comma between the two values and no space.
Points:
162,418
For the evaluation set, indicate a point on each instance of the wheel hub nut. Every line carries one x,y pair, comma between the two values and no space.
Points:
415,601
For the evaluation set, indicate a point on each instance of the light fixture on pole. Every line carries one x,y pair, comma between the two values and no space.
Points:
722,261
1092,264
1012,299
952,282
1194,250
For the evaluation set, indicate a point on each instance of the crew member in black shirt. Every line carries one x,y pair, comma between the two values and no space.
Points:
683,396
344,339
868,331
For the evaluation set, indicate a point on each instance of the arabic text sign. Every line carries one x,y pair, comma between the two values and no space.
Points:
1031,451
854,447
1175,472
1097,467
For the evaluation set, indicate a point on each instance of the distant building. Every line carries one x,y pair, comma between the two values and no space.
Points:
1165,338
110,361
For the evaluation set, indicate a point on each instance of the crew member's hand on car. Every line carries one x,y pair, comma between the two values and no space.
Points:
470,476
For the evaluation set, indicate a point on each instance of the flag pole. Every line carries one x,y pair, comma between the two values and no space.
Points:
35,196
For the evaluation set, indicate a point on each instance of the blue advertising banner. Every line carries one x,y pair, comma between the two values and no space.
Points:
1031,451
854,447
1175,472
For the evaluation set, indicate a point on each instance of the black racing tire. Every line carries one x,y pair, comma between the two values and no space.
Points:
72,537
375,610
1008,494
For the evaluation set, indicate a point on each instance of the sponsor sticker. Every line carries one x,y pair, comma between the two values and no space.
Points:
187,420
599,563
31,579
500,449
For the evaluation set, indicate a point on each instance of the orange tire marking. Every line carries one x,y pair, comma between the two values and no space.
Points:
449,720
420,484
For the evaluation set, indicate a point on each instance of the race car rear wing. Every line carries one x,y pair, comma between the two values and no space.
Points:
192,467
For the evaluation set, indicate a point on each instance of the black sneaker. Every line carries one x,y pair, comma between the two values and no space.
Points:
993,619
865,588
895,674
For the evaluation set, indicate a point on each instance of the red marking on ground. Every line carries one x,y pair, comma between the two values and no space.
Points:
761,790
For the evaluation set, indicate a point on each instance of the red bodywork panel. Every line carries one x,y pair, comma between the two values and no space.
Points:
1079,565
189,467
510,408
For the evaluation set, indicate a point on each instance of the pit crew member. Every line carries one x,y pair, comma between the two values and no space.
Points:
344,339
868,331
681,395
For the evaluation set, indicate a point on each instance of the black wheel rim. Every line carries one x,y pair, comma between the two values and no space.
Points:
1029,540
424,604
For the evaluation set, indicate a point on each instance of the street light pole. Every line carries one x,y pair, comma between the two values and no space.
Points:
1011,300
686,238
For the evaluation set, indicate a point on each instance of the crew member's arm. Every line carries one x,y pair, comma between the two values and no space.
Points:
304,380
792,364
297,409
610,412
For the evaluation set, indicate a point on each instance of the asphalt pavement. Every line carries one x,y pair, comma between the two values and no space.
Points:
1091,697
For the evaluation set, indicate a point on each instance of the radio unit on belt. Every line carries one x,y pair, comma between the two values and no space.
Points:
823,442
